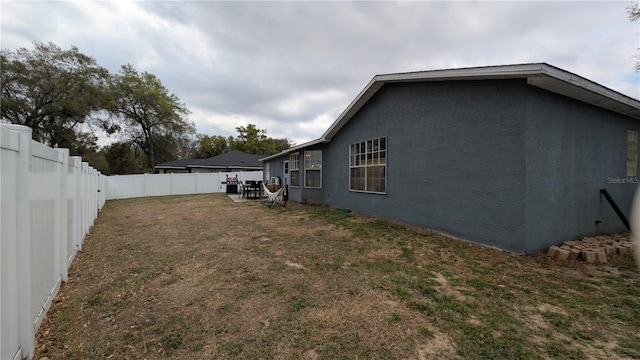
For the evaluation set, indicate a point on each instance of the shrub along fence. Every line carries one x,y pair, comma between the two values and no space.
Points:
48,202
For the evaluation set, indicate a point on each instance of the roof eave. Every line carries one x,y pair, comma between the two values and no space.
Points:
295,148
223,167
542,75
171,167
579,87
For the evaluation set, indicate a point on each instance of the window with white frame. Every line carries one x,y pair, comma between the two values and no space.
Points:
294,169
368,166
313,169
632,153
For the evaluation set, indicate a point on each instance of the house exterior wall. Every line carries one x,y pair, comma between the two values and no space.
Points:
202,170
172,171
301,193
275,169
455,158
313,195
573,150
497,162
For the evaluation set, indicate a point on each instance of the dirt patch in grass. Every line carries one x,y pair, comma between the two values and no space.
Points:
202,277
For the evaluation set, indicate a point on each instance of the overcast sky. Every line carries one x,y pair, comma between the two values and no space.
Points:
291,68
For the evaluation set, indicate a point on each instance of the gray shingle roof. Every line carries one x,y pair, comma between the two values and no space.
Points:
231,160
177,164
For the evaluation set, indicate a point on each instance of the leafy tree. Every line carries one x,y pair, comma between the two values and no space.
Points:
185,146
53,91
283,144
147,115
122,159
208,146
97,160
633,11
252,140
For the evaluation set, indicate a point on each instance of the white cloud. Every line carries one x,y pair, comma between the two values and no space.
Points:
297,104
292,67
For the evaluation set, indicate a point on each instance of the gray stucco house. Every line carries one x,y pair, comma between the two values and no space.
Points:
509,156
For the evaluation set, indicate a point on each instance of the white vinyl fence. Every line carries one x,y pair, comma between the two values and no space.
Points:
130,186
48,202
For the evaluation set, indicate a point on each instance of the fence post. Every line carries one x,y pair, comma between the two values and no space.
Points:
26,327
115,181
61,262
77,205
93,193
144,177
102,189
84,166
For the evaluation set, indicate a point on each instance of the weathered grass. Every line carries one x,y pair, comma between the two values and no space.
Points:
201,277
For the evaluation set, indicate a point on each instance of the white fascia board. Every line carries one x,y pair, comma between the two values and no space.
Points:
524,71
487,72
367,93
293,149
589,85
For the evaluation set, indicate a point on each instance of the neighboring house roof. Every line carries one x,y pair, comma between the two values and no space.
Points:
177,164
541,75
235,159
232,160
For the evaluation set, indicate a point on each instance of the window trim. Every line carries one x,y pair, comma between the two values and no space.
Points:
308,162
365,156
294,166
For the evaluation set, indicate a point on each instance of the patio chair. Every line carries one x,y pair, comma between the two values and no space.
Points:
252,189
277,197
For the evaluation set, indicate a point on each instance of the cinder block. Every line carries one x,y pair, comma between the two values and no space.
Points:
574,254
602,258
553,250
563,254
589,256
610,250
621,249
